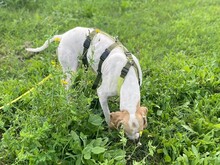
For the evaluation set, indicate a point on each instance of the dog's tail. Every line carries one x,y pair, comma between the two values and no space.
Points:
45,45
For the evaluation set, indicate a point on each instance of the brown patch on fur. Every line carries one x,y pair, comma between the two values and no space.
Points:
141,114
118,118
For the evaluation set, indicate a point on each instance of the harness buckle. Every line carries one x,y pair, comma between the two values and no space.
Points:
124,71
128,54
104,55
87,43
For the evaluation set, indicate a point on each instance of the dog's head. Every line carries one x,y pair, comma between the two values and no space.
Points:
133,124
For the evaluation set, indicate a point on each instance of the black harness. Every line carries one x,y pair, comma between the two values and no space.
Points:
104,55
86,46
102,59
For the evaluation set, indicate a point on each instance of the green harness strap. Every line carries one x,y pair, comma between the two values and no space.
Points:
86,46
102,59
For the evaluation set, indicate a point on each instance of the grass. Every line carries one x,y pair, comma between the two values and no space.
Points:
178,44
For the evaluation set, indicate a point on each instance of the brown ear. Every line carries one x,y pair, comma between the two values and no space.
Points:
116,119
143,111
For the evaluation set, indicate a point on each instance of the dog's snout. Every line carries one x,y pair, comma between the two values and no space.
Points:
134,137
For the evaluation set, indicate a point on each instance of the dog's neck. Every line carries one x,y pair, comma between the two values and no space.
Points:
130,93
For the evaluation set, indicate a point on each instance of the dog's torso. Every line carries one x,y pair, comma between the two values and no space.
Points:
72,41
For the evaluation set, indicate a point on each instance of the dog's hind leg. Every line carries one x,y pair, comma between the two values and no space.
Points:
69,62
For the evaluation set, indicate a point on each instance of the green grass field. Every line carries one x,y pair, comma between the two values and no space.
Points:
178,45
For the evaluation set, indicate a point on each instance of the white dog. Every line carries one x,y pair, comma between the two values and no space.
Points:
132,117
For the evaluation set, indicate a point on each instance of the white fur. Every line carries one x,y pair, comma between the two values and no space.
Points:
71,47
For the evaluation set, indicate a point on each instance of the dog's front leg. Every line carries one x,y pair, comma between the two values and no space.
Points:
103,99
